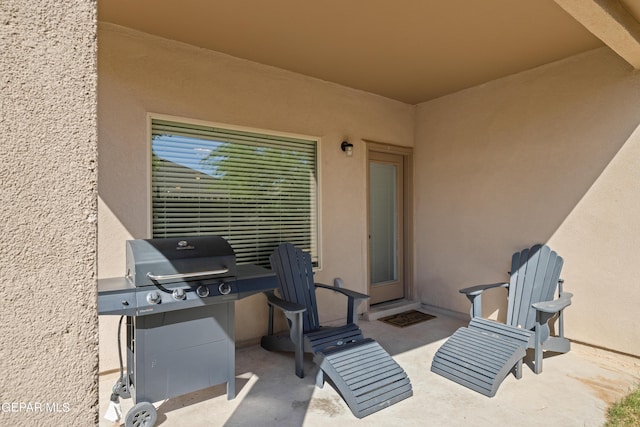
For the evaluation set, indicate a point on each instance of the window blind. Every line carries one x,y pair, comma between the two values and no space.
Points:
256,190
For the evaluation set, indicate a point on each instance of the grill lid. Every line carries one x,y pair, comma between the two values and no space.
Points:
179,259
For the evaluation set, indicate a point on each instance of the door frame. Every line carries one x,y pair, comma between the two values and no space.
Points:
407,232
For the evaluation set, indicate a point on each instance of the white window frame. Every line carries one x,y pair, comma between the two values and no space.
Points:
196,122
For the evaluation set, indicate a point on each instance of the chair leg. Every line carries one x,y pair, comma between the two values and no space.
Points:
298,342
299,361
320,378
518,369
270,324
537,358
476,305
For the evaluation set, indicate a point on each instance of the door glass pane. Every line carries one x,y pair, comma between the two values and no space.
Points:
384,225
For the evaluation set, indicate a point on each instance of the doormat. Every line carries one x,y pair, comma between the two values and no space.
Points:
407,318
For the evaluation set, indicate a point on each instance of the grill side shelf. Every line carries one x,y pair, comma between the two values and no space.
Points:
117,296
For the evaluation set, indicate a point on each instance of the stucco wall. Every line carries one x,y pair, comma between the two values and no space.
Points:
48,314
139,74
548,155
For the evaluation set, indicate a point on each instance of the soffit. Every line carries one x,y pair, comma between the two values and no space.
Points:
411,51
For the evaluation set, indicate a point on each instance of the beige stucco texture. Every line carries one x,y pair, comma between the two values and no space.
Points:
141,74
551,156
48,194
542,156
547,155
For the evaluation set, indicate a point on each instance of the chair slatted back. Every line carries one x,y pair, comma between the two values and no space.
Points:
295,276
534,278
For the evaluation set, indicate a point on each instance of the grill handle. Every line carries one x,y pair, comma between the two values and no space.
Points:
186,275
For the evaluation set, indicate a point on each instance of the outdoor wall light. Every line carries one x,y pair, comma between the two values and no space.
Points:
347,147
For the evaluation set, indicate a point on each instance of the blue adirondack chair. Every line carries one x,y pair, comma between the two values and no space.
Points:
480,355
364,374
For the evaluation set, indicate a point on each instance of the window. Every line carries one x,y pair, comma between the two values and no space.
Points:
255,189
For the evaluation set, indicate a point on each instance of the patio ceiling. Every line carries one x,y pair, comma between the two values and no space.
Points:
412,51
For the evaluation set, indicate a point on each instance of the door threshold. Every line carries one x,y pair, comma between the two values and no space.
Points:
390,308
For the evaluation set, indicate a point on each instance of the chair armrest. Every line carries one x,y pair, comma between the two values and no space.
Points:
286,306
554,306
347,292
476,290
474,294
353,299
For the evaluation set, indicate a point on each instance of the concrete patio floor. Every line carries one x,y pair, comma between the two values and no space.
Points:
575,389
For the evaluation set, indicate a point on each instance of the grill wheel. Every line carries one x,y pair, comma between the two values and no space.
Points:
142,414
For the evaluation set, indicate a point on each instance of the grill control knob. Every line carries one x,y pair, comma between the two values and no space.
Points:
202,291
179,294
224,288
153,297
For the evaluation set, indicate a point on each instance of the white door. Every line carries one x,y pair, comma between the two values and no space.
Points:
386,227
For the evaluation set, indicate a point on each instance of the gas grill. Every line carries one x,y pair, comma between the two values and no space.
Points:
178,297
